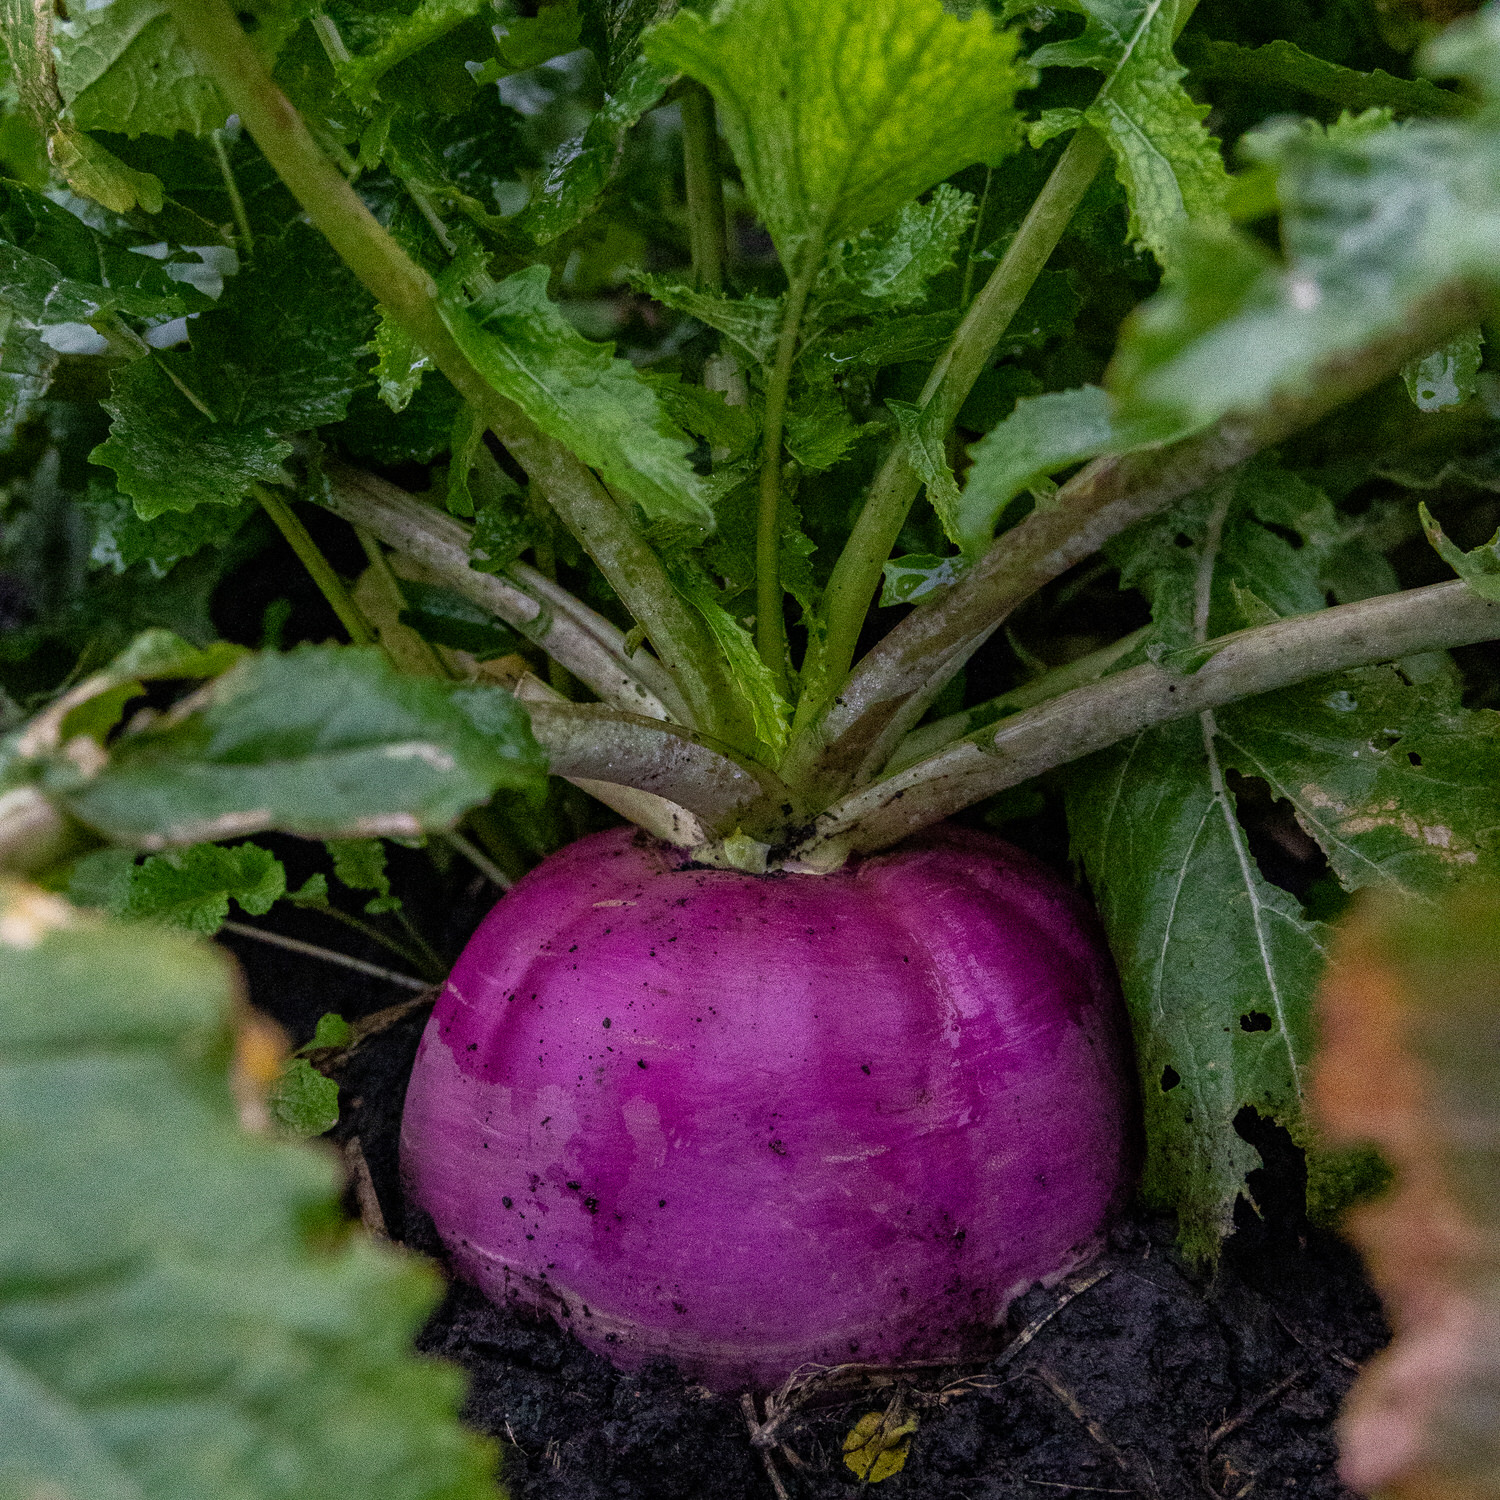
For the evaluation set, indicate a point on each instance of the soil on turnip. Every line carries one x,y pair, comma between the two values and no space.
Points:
1155,1380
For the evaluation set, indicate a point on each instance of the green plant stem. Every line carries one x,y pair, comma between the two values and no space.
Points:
682,641
330,585
770,624
1066,728
856,575
397,600
705,188
232,187
369,933
890,688
931,738
479,859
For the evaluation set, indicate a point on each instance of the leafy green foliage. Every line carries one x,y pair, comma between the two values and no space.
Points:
124,67
55,268
1169,164
855,109
322,741
199,427
181,1312
360,864
1480,568
1397,784
1375,218
577,391
303,1101
188,888
880,147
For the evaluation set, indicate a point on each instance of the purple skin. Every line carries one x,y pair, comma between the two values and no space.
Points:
748,1122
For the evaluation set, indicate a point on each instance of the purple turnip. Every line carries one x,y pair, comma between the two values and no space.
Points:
753,1121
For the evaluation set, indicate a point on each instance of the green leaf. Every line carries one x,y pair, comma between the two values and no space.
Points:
577,392
1397,783
332,1030
303,1101
819,431
503,530
399,363
883,341
924,436
890,266
582,167
26,369
360,865
122,539
841,111
176,1319
447,618
1042,435
730,431
280,354
1373,222
191,887
1283,64
1448,376
405,37
1480,569
1167,162
324,741
1280,540
769,710
612,31
751,324
54,268
1218,966
528,41
124,67
910,578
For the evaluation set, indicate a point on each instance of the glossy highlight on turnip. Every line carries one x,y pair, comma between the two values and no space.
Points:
749,1122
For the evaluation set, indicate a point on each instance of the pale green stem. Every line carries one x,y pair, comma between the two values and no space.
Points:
480,860
232,187
392,586
683,643
856,575
1072,725
705,188
770,625
930,738
330,585
327,955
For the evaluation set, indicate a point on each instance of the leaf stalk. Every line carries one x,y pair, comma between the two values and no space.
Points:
770,621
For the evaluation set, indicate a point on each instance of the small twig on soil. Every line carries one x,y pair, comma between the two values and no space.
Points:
1090,1489
1141,1478
1321,1346
1260,1403
1035,1326
328,956
752,1421
370,1214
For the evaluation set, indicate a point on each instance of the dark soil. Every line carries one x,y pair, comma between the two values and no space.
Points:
1155,1380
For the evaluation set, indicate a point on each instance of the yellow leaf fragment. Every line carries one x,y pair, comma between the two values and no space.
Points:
877,1446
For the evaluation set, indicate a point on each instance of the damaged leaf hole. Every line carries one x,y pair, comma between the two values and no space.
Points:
1286,855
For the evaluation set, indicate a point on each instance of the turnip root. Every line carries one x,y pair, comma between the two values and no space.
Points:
748,1122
